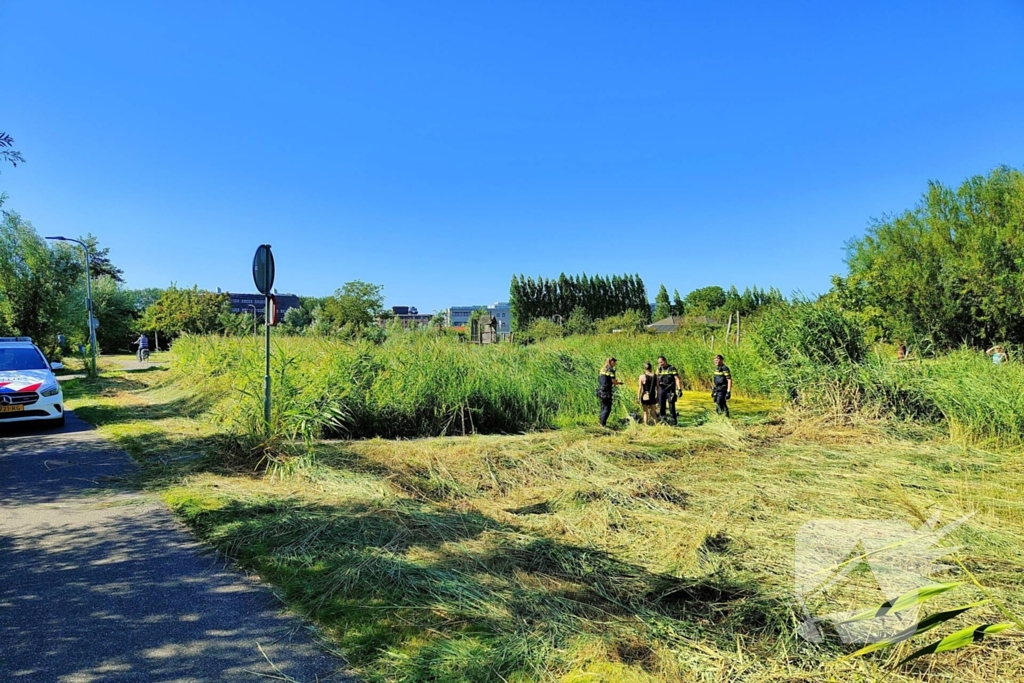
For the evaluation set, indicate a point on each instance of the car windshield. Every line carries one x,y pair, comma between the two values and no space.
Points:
21,359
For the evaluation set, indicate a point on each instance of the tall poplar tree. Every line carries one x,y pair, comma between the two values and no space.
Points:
596,297
662,304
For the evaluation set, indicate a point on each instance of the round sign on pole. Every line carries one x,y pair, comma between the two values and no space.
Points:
263,269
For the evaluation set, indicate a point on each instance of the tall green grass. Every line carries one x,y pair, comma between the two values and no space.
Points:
978,401
419,384
426,385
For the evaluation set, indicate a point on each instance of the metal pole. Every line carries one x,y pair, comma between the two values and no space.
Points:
88,298
253,307
266,374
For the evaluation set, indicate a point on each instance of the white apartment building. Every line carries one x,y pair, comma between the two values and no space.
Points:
458,316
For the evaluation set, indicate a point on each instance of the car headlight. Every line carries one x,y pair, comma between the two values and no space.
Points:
50,391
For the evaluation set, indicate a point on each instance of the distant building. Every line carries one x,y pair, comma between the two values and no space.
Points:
669,324
410,316
254,303
458,316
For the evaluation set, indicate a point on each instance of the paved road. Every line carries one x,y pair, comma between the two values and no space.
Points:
100,583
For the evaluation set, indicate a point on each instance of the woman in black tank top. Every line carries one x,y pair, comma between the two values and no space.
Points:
647,394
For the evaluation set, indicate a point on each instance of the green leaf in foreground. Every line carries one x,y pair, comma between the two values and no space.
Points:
922,626
971,634
907,600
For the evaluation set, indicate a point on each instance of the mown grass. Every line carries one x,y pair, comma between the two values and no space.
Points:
641,554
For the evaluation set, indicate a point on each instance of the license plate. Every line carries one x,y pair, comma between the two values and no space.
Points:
11,409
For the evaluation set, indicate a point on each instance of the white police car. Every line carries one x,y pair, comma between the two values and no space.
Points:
28,389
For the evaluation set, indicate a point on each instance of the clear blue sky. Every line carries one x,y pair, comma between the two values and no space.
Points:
438,147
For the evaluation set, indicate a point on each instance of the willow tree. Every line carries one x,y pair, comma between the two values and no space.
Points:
948,271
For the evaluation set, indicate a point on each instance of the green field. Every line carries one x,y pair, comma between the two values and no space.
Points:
550,549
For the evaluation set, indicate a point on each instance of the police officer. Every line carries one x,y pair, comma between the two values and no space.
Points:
670,388
722,389
605,386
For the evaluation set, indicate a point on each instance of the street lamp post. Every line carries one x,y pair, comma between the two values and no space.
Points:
88,299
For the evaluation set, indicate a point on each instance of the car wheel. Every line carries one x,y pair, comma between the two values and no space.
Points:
58,423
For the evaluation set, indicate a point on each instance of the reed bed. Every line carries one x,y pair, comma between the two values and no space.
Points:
420,384
424,385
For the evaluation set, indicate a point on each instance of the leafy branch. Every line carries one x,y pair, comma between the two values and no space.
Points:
7,154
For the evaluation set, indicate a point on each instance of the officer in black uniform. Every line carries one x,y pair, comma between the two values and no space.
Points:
670,388
605,386
722,389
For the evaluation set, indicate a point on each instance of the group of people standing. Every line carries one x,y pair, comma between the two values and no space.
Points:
659,388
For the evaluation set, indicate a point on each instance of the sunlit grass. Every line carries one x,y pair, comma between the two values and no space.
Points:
653,554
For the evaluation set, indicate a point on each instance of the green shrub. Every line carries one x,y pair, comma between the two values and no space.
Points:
819,332
580,322
630,321
542,328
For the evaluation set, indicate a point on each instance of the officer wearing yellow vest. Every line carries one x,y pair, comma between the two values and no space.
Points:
721,390
670,388
605,387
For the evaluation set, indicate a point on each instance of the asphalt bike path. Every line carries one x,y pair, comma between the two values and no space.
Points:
101,583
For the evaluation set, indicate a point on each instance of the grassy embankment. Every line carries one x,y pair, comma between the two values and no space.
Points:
643,554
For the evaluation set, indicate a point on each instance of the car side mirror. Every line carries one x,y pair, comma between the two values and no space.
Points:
56,366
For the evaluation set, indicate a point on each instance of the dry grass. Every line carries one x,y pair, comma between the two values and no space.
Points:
644,554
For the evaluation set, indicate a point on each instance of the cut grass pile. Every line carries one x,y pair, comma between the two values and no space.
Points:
645,554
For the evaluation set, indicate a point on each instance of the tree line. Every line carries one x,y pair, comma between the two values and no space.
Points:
43,294
596,296
715,302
